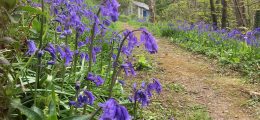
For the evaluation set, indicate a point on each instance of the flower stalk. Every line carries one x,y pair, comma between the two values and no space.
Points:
39,63
92,44
114,75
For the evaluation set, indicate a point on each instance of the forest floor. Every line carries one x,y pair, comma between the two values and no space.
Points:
195,87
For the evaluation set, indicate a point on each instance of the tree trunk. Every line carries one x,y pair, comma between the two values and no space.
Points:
152,10
224,14
213,15
240,12
257,19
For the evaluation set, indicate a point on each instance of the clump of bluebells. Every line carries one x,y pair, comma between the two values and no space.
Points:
80,32
236,48
144,94
251,38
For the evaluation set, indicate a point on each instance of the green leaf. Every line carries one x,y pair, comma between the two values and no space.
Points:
29,113
11,18
83,117
38,111
30,10
236,60
8,4
36,26
52,107
52,111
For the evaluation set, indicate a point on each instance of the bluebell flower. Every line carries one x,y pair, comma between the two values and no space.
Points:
132,42
143,85
87,98
250,38
234,33
103,32
141,97
40,53
95,51
131,67
80,101
113,111
134,87
80,44
257,30
192,26
106,22
90,97
99,81
86,57
125,67
31,47
144,94
128,67
149,41
95,78
82,55
122,82
157,86
66,33
72,103
61,51
87,40
114,56
68,56
126,51
110,8
96,25
51,49
59,29
122,113
149,89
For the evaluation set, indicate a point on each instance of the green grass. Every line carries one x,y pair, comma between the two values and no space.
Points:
198,112
175,87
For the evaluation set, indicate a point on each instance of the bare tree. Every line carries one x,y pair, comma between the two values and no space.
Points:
257,19
213,15
239,8
152,10
224,14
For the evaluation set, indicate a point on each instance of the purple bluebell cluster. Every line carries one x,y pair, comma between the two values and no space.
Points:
250,37
95,51
84,55
86,98
144,94
31,47
149,41
128,67
95,79
69,14
75,17
65,53
68,55
110,8
52,51
113,111
132,42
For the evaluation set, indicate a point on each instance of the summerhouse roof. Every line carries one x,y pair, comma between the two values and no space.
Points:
140,4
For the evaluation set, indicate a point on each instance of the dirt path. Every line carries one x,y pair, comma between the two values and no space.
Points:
221,95
193,88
